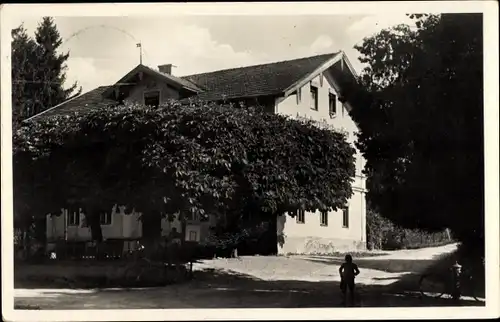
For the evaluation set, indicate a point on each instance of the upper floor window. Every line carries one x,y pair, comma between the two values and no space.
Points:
324,218
105,218
314,98
301,217
332,105
152,98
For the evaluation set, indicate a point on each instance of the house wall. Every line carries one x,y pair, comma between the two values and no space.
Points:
202,228
122,227
136,95
311,237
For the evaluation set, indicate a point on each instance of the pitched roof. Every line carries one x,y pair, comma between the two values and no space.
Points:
251,81
81,103
257,80
184,82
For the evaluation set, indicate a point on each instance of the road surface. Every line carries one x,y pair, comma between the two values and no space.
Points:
262,282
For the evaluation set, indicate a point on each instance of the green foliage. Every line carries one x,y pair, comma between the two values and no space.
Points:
24,58
242,165
419,106
381,233
38,70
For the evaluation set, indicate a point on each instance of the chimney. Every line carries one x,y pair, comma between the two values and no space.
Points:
166,69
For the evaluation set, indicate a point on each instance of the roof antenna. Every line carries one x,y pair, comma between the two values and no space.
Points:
139,45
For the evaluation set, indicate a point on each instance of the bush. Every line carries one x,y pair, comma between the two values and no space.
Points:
383,234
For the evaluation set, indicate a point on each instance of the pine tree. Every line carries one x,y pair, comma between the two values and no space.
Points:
51,73
38,71
24,65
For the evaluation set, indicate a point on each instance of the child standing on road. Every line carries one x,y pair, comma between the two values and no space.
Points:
348,271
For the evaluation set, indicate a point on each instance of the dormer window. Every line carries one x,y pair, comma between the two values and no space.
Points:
152,98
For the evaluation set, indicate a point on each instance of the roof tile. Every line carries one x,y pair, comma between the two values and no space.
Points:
80,104
251,81
257,80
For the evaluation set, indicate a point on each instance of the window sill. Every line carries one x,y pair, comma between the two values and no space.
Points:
301,222
323,225
345,226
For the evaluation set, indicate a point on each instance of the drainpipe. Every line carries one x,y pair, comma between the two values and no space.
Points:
361,217
65,225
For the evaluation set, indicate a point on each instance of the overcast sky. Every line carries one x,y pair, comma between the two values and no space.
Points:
103,49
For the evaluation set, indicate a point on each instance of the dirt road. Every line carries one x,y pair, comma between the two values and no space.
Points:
261,282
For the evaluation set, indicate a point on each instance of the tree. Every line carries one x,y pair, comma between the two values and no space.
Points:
419,106
52,68
24,64
38,70
242,165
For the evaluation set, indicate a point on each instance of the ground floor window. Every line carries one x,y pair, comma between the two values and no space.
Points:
73,218
345,217
193,236
324,218
301,216
105,219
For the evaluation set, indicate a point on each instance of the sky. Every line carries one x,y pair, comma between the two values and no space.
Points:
103,49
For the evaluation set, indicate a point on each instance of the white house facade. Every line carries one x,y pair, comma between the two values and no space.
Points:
341,230
117,225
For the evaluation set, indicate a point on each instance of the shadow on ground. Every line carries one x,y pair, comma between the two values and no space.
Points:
413,269
218,289
381,264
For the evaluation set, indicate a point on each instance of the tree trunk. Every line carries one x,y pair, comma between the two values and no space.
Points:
94,223
151,226
183,230
151,232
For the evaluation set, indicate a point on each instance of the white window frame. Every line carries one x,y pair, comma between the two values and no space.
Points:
105,215
332,98
300,213
345,217
76,218
314,102
146,92
195,235
323,219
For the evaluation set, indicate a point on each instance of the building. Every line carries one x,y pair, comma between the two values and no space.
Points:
301,88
